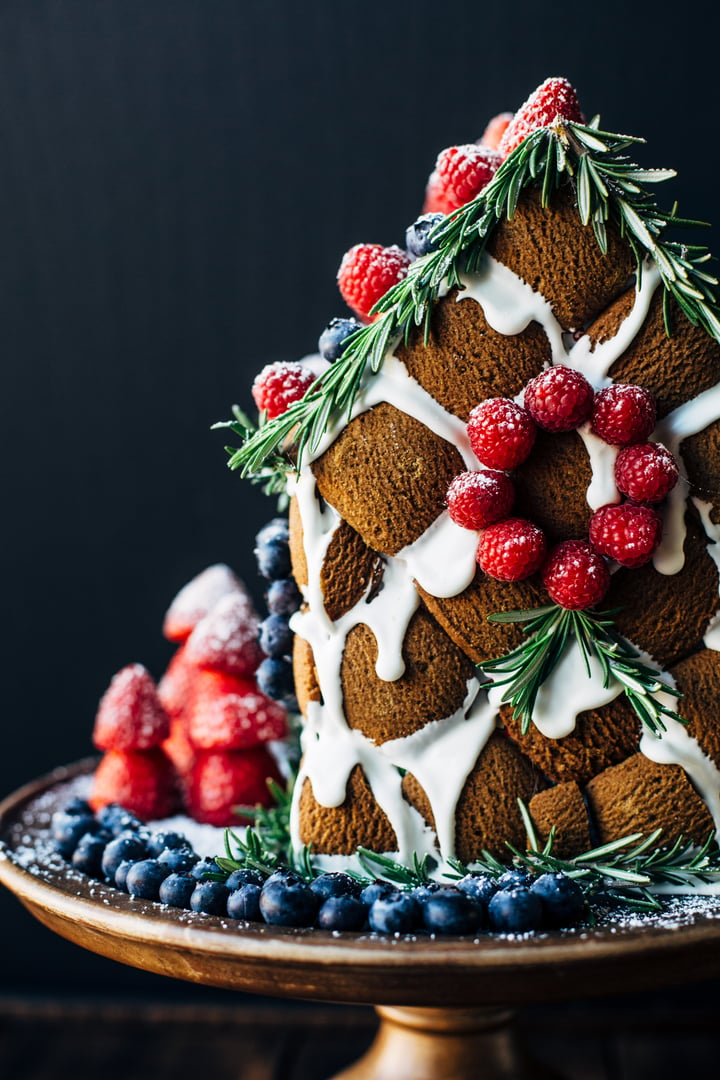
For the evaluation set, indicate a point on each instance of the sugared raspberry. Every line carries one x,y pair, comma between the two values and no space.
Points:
627,533
366,273
575,576
478,499
553,99
460,173
646,472
279,385
511,550
495,130
559,399
623,414
501,433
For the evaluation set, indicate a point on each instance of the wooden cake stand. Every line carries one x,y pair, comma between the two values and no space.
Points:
444,1005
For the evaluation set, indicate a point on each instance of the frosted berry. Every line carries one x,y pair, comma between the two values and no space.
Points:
366,273
559,399
283,597
554,99
646,472
130,716
629,534
226,639
575,576
144,781
417,236
623,414
496,128
562,899
501,433
196,598
333,339
280,385
515,910
478,499
511,550
461,173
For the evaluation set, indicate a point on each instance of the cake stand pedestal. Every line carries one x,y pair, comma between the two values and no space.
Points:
443,1004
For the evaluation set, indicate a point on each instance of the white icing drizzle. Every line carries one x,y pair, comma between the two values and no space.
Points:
442,560
712,531
602,488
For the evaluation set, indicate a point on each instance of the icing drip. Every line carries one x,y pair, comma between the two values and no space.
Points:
442,560
712,531
602,489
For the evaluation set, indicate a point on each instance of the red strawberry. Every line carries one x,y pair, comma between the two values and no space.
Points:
226,639
130,716
144,782
222,780
366,273
280,385
174,687
197,598
554,99
495,130
179,748
229,713
461,173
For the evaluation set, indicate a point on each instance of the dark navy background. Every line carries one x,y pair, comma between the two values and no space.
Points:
178,182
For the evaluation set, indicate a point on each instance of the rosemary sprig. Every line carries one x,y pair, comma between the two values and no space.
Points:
526,667
381,866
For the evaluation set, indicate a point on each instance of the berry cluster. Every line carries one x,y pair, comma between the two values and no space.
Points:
113,846
272,552
502,434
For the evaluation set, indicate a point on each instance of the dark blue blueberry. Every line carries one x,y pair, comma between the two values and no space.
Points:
276,637
398,913
87,856
205,866
121,875
161,841
343,912
67,829
449,911
332,341
277,526
283,873
144,879
176,890
515,909
244,903
117,819
78,806
417,235
288,903
377,889
561,898
121,849
513,877
244,877
478,886
209,897
273,558
335,885
283,597
275,678
424,892
179,860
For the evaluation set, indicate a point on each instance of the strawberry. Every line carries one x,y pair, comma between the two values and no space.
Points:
230,713
554,99
226,639
174,687
179,748
221,780
143,782
130,716
197,598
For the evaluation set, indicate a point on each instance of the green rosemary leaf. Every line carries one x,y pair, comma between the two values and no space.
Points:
533,843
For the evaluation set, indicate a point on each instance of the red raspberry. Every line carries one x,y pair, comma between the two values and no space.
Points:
366,273
511,550
130,716
226,639
559,399
623,413
222,780
575,576
143,781
229,713
553,99
196,598
278,386
478,499
495,130
627,533
501,433
646,472
461,173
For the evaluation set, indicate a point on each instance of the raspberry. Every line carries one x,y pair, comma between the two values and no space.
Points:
196,598
501,433
230,713
511,550
222,780
226,639
366,273
646,472
142,781
461,173
629,534
278,386
575,576
623,414
495,130
478,499
130,716
553,99
559,399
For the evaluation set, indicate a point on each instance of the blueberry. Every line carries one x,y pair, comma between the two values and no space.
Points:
121,874
283,873
515,909
331,345
478,887
122,849
78,806
276,637
67,829
144,879
205,866
87,856
513,877
283,597
335,885
275,678
178,860
561,899
424,892
417,235
176,889
209,897
376,890
449,911
160,841
244,877
288,903
273,558
117,819
244,903
398,913
344,912
277,526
